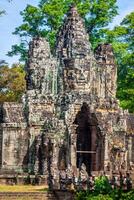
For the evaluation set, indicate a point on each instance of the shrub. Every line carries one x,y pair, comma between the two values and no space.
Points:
114,195
128,196
99,197
102,185
82,195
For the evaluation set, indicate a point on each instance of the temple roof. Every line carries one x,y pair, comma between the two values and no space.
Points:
73,40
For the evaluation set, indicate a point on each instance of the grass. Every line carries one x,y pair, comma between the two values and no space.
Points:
22,188
22,198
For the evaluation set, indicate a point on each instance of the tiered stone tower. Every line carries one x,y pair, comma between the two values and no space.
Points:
70,116
75,55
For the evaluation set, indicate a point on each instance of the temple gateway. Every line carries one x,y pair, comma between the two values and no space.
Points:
69,117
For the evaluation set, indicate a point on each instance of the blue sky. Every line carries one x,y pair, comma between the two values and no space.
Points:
13,19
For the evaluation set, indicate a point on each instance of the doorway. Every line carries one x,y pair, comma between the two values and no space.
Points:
90,143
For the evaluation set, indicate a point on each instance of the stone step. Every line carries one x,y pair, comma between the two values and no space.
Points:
28,196
56,195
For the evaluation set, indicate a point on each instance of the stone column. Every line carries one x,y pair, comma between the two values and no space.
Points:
73,147
55,162
106,156
130,149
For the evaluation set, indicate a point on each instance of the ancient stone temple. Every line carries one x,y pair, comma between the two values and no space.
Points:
69,116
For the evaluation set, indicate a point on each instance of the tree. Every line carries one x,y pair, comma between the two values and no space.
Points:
12,82
126,74
45,20
122,40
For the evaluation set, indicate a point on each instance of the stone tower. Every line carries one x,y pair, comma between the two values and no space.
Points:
74,53
108,70
69,116
72,39
40,78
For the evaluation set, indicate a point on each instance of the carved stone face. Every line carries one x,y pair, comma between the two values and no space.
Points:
75,79
70,79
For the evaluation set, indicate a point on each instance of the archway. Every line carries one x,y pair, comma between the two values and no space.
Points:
90,143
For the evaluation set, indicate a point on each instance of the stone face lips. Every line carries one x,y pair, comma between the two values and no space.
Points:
69,106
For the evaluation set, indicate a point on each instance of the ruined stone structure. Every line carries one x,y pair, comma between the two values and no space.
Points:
69,115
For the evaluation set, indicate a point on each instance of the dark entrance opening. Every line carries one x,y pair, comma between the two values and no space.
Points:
90,145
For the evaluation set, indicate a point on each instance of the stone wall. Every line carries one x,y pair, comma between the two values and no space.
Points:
14,137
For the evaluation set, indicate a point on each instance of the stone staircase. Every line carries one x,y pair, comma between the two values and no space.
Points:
55,195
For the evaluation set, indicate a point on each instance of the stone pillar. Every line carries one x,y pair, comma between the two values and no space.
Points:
106,156
55,170
94,160
73,147
130,149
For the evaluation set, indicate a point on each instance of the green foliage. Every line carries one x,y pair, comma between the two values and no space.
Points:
99,197
123,43
12,83
18,49
83,195
102,185
34,22
126,90
116,194
128,195
113,195
104,191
